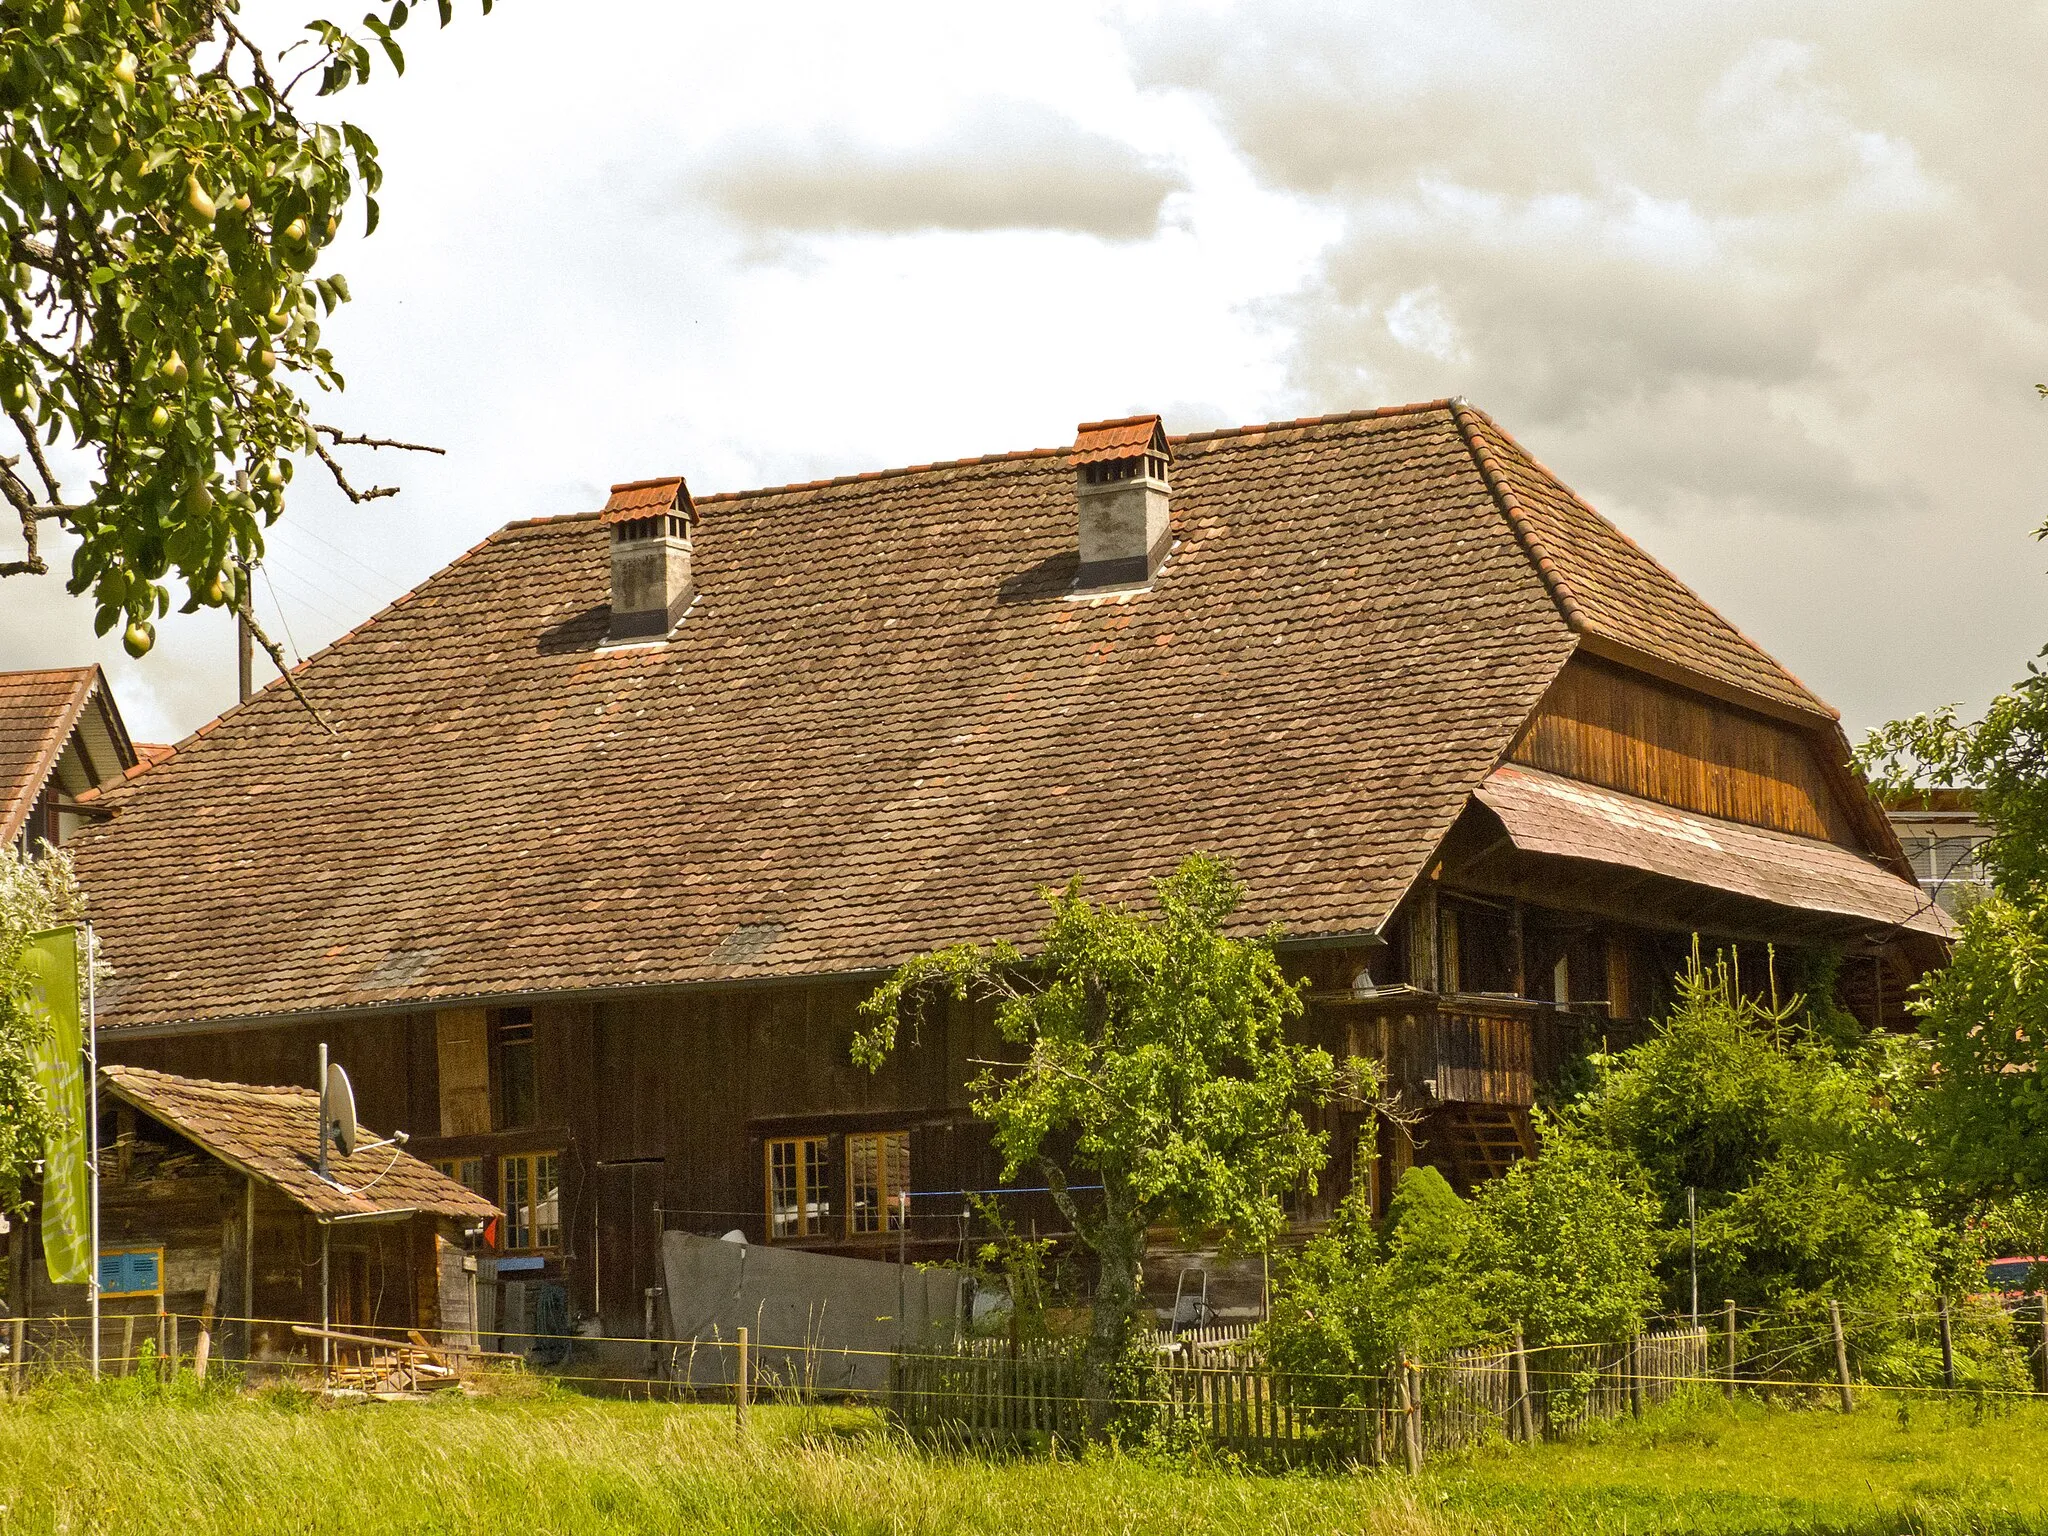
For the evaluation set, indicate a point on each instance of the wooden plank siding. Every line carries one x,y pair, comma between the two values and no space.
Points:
1627,732
660,1106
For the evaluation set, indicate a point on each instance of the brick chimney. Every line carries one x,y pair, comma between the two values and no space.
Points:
1120,483
650,523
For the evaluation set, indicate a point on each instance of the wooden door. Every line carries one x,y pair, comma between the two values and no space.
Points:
626,1257
349,1293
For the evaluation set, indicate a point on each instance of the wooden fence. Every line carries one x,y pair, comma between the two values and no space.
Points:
989,1393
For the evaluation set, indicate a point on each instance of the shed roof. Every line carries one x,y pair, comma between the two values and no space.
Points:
888,720
273,1134
1543,813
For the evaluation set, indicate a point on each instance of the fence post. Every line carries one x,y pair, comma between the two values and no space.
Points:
1411,1410
1841,1354
1528,1408
1948,1348
739,1386
1632,1362
2041,1359
18,1353
1730,1388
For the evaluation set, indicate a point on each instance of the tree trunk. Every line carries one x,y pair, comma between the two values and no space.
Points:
1120,1254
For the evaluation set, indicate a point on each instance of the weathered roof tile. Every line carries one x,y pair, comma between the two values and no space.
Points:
887,722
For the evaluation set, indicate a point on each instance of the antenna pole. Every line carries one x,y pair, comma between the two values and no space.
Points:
1692,1214
323,1118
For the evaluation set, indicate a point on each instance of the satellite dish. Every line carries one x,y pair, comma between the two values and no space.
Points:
341,1111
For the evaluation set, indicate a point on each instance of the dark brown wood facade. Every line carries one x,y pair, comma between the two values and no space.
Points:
699,1109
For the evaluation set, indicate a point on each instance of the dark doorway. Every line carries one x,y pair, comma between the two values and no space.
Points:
626,1244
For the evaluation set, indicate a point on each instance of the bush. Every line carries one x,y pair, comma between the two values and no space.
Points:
1803,1165
1359,1297
1566,1244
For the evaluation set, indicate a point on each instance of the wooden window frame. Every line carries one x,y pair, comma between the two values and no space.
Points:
507,1030
811,1165
891,1194
522,1217
454,1168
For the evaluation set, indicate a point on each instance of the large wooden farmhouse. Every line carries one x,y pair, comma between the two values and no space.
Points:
622,814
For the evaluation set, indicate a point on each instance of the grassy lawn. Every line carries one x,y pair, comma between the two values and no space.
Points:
132,1462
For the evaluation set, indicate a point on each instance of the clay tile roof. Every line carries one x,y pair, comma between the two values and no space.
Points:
646,498
1125,439
1609,589
38,711
273,1133
885,725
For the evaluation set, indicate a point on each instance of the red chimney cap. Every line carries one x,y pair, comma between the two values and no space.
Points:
635,499
1130,438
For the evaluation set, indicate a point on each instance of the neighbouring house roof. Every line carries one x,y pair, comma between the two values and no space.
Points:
40,715
273,1134
1543,813
887,721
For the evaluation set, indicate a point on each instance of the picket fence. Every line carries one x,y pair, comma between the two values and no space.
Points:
990,1392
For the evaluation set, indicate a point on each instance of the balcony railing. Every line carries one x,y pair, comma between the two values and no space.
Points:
1456,1049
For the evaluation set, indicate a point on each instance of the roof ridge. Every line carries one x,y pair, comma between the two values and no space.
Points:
1017,455
90,666
1467,417
1608,523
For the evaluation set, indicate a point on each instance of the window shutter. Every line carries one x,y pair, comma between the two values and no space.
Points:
462,1044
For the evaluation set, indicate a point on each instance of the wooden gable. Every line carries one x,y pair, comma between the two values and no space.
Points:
1607,725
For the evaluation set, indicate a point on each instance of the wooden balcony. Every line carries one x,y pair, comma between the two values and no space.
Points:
1454,1049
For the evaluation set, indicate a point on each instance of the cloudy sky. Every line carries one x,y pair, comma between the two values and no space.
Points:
1763,281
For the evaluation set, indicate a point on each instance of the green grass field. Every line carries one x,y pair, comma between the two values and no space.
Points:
133,1462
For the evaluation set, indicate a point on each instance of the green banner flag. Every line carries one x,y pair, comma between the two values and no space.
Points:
51,960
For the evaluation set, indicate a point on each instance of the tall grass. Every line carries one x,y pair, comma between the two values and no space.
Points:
148,1462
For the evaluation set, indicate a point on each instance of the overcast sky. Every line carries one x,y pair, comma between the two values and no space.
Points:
1765,283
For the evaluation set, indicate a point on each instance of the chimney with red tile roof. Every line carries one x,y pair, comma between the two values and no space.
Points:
650,523
1120,482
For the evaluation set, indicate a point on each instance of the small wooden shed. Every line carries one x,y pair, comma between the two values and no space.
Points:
191,1168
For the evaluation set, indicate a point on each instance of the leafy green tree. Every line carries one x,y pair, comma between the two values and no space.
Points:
35,894
1985,1016
164,203
1154,1062
2002,758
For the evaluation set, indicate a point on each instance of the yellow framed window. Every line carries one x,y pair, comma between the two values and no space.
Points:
530,1195
877,1181
799,1195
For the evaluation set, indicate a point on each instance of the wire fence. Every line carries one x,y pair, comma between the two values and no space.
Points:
1213,1386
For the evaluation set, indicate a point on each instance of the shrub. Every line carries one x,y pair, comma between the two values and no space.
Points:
1566,1244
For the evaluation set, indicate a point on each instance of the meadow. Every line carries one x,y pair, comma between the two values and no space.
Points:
140,1462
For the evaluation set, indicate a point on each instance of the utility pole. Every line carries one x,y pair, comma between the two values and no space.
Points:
245,637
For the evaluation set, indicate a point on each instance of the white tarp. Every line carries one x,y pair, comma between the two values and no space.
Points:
827,1323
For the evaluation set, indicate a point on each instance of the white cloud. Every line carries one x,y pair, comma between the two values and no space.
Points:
1763,279
1005,165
